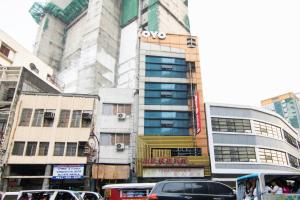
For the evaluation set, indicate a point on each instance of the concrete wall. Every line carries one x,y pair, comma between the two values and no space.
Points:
111,124
49,134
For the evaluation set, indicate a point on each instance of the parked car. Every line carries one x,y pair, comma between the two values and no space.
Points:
191,190
9,196
48,195
88,195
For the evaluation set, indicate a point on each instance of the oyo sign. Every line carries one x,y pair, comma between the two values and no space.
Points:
154,34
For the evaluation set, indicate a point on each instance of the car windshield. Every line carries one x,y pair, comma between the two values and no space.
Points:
77,194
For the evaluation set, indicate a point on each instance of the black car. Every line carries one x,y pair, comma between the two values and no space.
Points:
191,190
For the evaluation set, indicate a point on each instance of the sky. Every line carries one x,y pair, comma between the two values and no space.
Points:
249,50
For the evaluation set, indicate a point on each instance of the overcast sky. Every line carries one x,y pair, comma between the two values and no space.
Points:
249,50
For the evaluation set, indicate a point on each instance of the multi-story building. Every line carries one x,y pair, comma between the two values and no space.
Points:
286,105
48,141
20,71
171,119
114,127
93,43
244,140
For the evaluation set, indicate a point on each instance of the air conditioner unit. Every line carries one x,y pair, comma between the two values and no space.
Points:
121,116
191,42
49,115
87,116
120,146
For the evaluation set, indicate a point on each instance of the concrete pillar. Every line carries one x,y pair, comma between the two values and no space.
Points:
6,172
46,180
87,185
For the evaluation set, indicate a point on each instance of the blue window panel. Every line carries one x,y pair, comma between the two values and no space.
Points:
165,101
176,123
165,60
158,67
176,95
166,131
167,74
166,115
166,86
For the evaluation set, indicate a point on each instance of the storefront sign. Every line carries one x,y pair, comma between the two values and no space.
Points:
198,113
153,34
175,161
68,172
173,172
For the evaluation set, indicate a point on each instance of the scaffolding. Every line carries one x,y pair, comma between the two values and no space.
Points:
66,15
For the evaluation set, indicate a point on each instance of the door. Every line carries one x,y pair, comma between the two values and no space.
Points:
196,191
219,191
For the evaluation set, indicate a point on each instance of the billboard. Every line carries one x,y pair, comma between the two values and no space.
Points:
68,172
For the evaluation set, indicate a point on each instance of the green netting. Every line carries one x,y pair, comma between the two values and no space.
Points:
67,15
129,11
153,15
186,22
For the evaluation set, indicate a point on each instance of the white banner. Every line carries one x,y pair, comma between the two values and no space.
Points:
68,172
173,172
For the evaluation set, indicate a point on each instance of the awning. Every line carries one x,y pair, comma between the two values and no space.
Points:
110,172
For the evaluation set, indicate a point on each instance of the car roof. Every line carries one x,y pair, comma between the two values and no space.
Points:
47,190
5,193
130,185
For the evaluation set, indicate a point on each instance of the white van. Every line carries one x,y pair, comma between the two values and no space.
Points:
10,196
48,195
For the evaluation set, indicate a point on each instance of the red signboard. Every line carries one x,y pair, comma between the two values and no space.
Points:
174,161
198,113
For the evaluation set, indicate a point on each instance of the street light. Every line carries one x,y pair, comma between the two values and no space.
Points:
93,146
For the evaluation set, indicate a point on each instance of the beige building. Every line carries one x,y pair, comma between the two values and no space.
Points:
47,145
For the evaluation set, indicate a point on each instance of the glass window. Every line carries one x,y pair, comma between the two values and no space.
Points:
25,117
196,188
293,161
31,148
18,148
272,156
290,139
81,146
107,109
64,118
219,189
267,130
76,118
113,109
71,149
110,139
59,149
38,117
174,188
87,117
234,154
4,49
231,125
43,148
64,195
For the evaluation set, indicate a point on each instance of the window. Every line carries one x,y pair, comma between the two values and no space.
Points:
234,154
59,149
231,125
272,156
43,148
4,49
113,109
219,189
110,139
174,188
290,139
196,188
81,146
186,152
165,67
64,117
71,149
18,148
38,117
87,117
167,123
64,195
267,130
49,116
31,149
76,118
166,94
293,161
25,117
